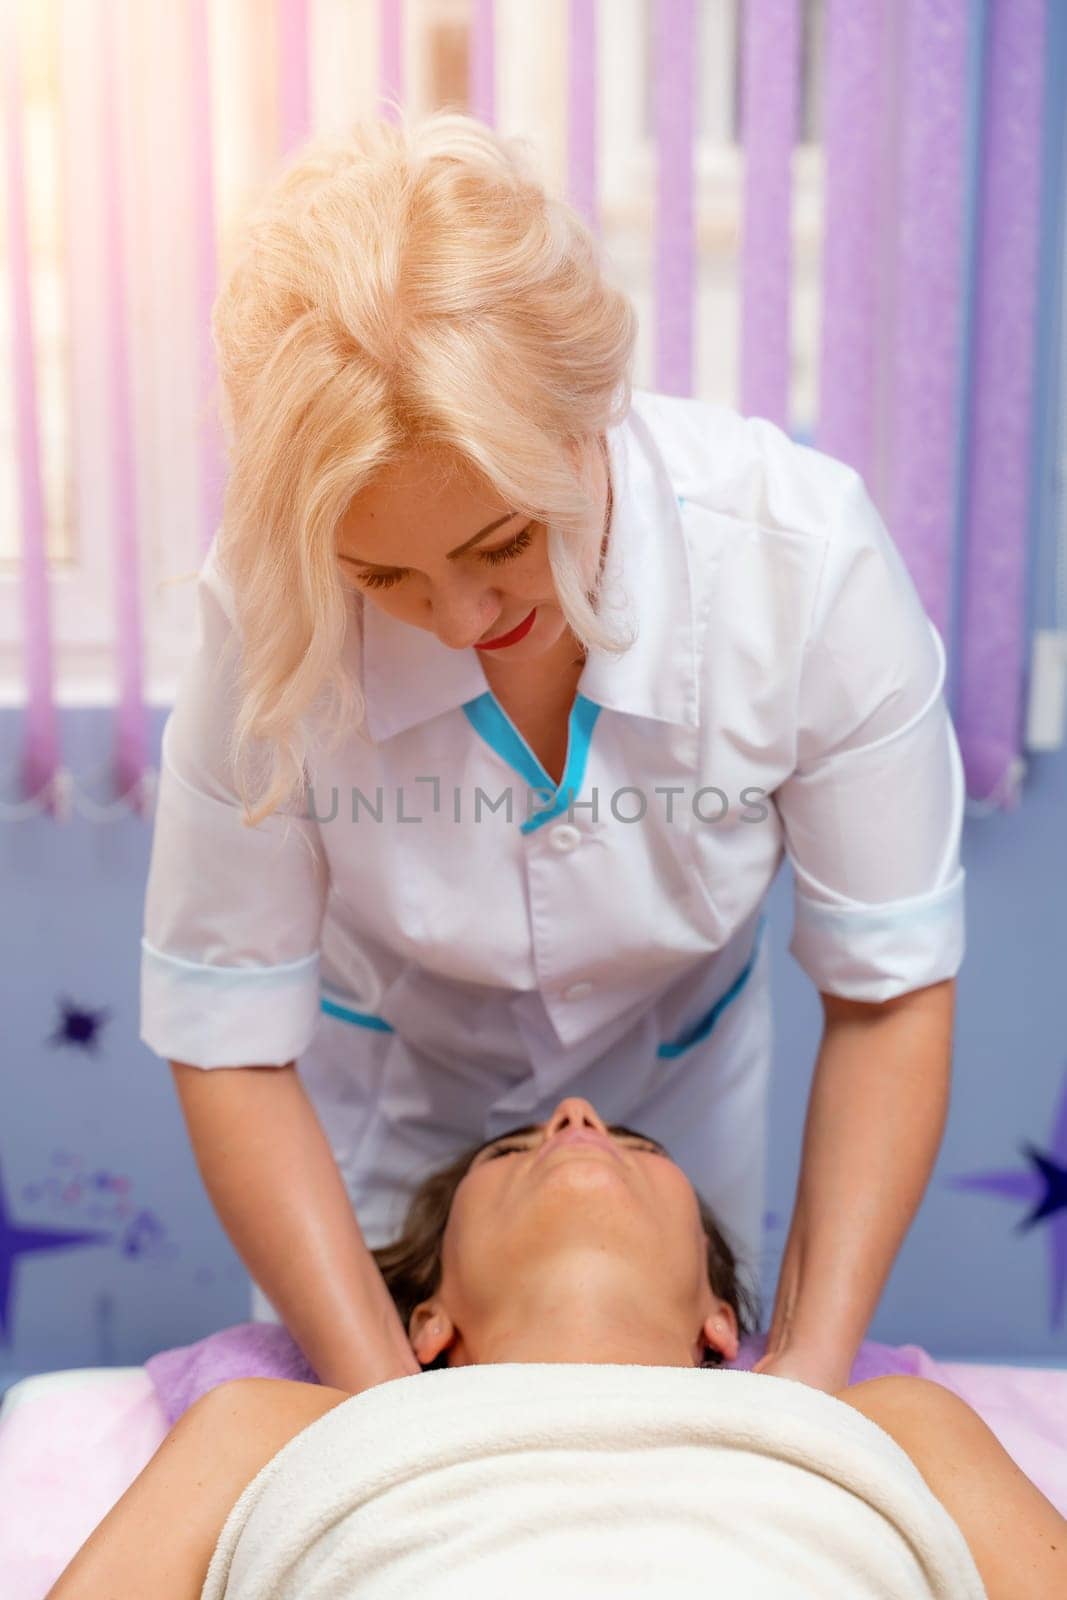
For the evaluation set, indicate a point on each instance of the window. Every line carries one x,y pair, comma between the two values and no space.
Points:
63,137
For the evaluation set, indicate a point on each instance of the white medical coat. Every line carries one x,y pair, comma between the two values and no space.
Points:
442,970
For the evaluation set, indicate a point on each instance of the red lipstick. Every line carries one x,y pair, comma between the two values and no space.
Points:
510,638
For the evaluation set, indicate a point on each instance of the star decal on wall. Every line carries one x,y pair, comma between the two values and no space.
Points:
1044,1185
78,1026
16,1242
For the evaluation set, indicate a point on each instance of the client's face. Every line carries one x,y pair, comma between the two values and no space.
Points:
567,1242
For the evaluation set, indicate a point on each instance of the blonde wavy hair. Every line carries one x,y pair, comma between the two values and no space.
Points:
405,284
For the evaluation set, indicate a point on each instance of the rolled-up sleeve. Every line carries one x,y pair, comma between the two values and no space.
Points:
232,914
872,814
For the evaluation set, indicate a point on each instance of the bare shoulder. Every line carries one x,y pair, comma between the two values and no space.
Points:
1017,1537
274,1391
900,1398
216,1448
279,1407
232,1431
928,1421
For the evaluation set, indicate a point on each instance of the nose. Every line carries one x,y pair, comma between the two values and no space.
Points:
464,616
574,1112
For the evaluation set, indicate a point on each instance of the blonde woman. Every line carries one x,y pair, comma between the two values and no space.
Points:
570,1283
512,687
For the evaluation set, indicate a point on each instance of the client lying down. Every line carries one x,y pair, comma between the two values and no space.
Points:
565,1289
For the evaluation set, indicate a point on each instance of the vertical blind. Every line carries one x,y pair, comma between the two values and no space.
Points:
932,130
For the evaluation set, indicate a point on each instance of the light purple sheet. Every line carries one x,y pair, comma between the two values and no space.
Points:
72,1442
267,1350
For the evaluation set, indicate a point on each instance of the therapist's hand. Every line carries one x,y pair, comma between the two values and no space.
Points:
818,1372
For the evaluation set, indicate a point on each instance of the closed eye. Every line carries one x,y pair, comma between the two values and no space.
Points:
507,552
511,1146
502,1150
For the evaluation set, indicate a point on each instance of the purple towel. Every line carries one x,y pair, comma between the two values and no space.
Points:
267,1350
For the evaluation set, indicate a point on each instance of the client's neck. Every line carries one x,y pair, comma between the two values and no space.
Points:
580,1316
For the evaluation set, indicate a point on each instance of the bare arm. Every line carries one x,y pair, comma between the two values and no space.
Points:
875,1119
272,1178
1016,1536
157,1541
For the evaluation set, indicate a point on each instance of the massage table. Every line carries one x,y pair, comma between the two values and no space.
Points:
72,1441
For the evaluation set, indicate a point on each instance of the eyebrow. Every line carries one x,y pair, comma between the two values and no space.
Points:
483,533
615,1129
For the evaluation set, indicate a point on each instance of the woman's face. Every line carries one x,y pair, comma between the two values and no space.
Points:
454,559
577,1209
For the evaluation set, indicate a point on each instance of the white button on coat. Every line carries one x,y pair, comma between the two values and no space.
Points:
578,991
783,694
564,837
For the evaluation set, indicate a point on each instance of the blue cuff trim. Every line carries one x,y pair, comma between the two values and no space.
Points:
362,1019
210,972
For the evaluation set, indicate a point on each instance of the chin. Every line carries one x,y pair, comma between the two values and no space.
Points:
588,1172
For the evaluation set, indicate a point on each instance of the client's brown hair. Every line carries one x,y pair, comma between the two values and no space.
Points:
411,1265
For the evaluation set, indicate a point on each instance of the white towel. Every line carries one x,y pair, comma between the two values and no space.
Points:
574,1480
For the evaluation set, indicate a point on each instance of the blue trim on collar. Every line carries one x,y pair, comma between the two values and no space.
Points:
489,719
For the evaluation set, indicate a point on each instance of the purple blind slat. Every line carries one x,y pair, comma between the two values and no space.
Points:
770,79
924,424
674,45
999,476
854,116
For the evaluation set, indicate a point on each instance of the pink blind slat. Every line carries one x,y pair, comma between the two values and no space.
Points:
205,235
294,81
770,82
131,730
582,110
391,57
40,759
483,61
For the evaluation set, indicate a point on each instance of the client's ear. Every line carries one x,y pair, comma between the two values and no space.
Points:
430,1331
720,1330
